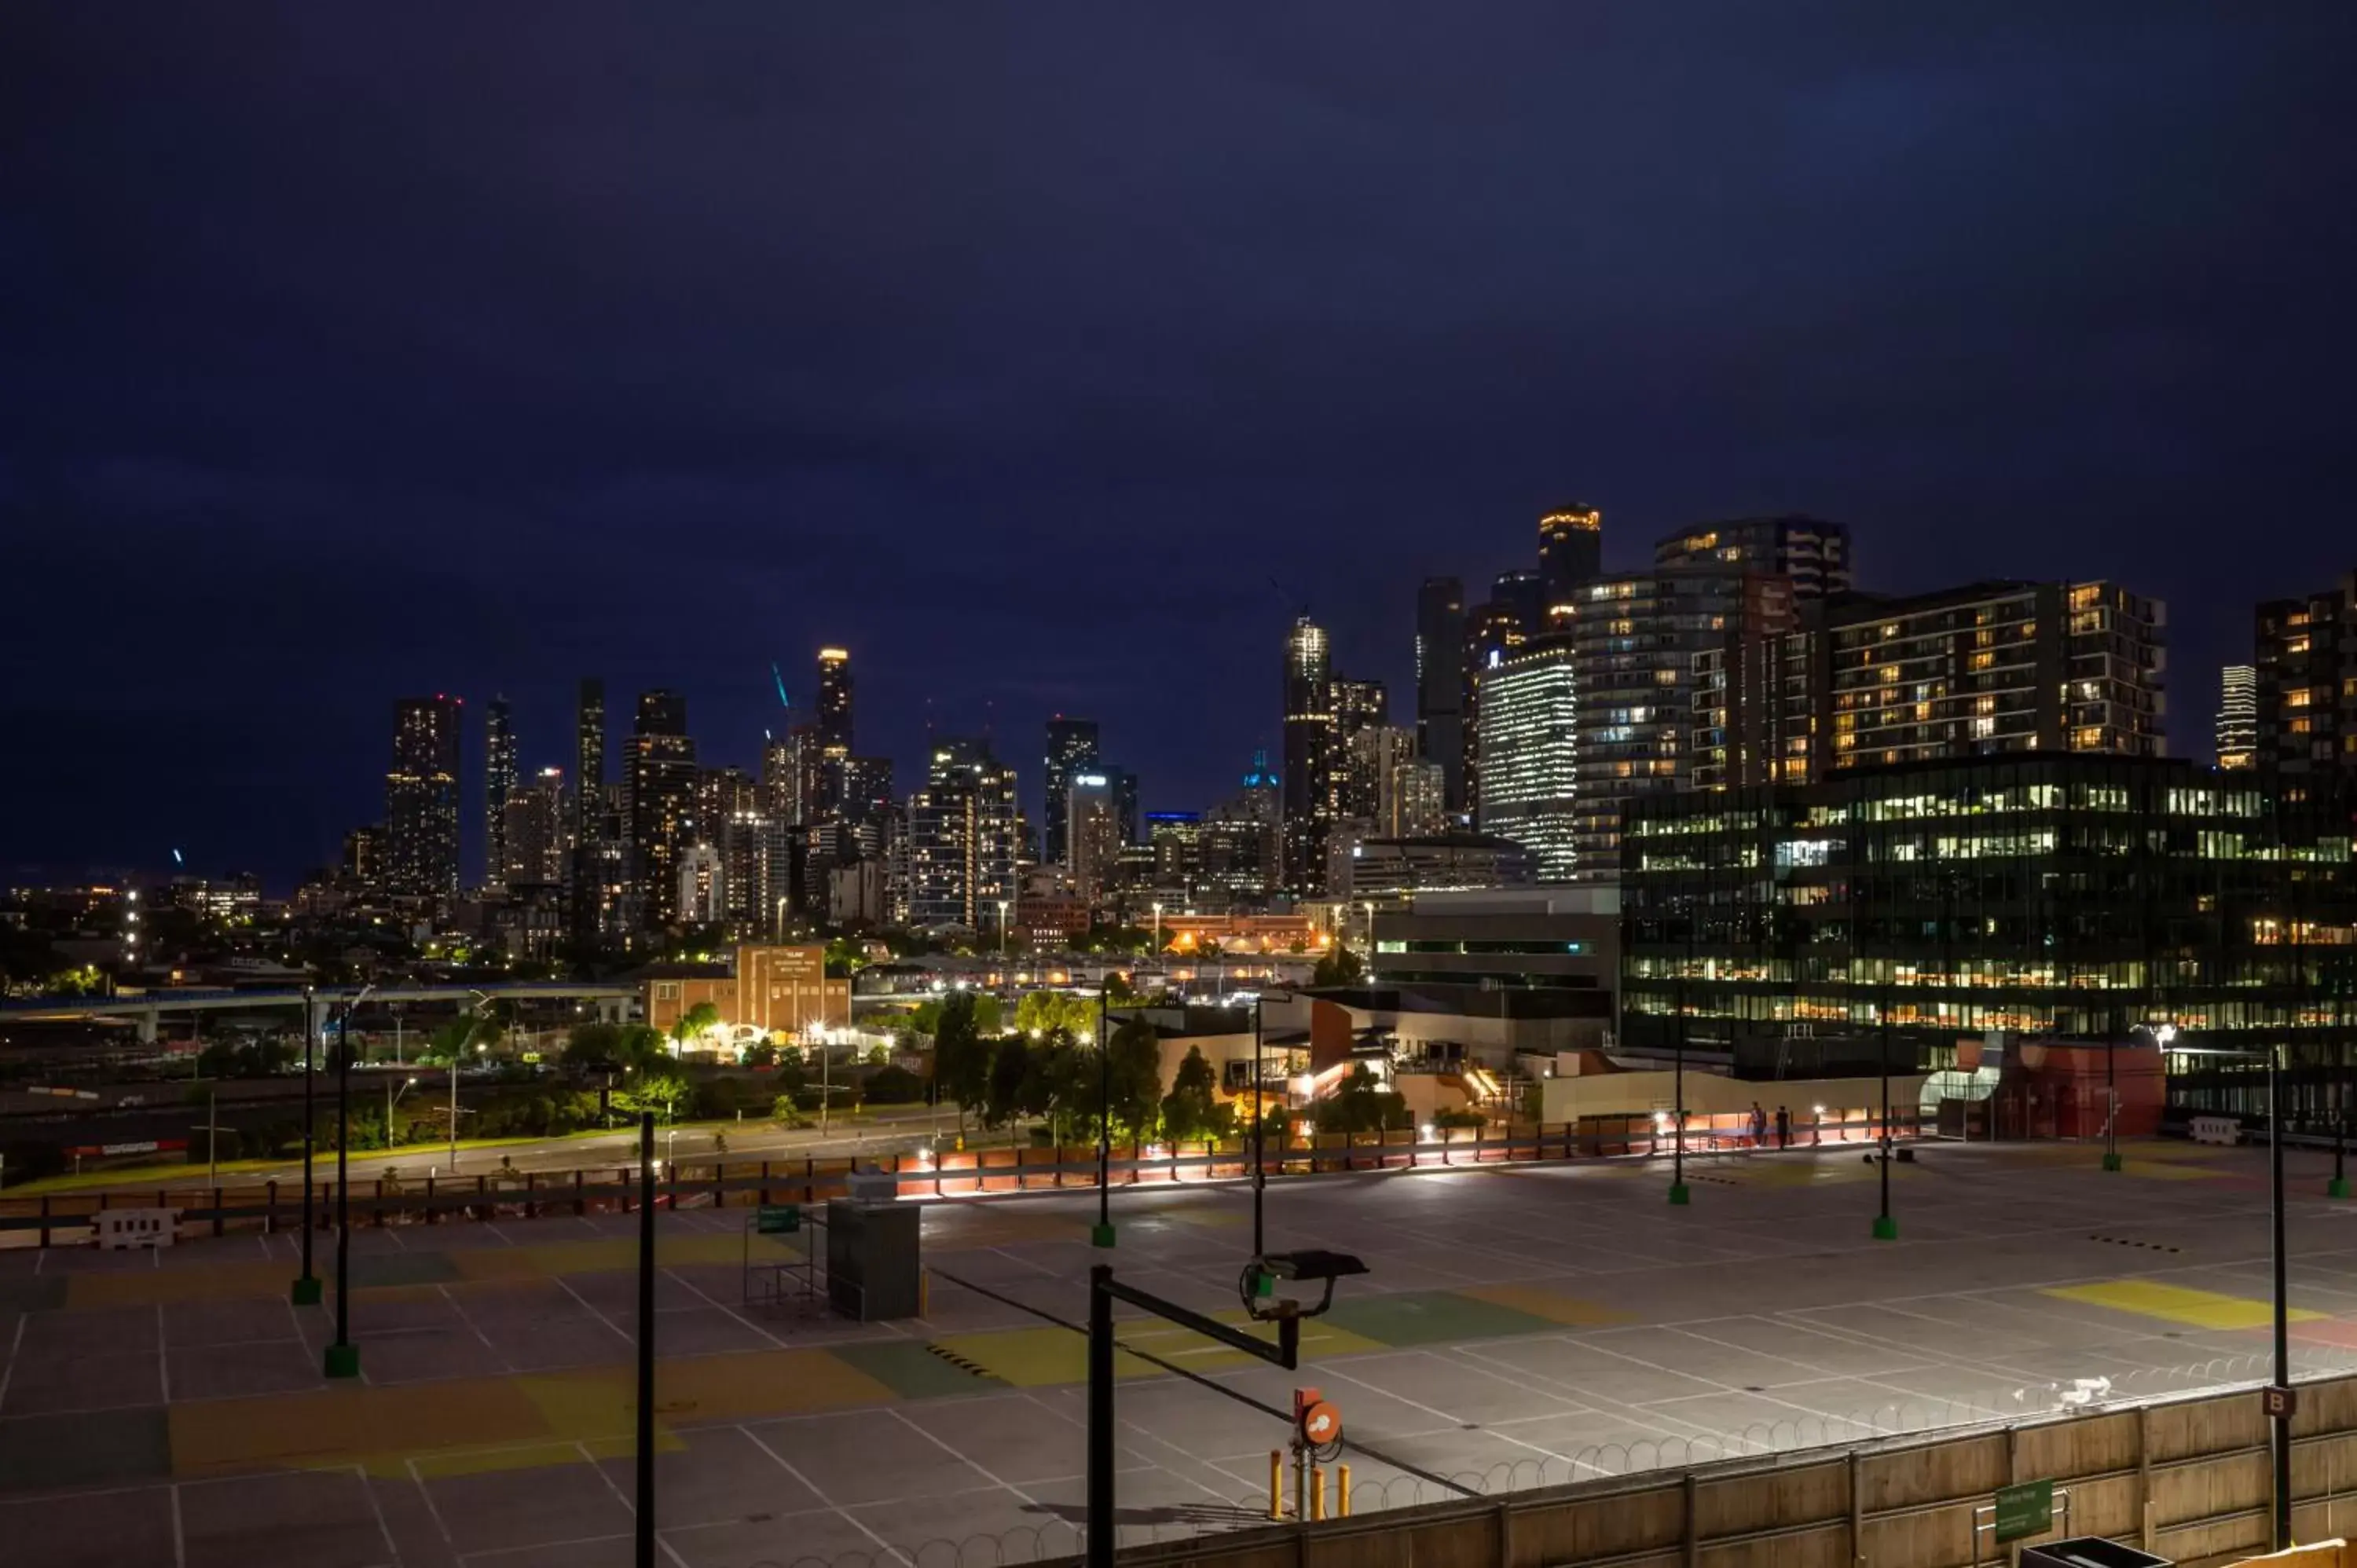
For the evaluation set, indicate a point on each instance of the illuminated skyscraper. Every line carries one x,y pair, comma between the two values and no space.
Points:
1092,847
589,759
1491,631
835,698
1071,748
1523,593
1812,552
2306,692
1530,752
1571,551
1440,681
421,798
2238,716
1308,757
500,780
534,832
661,801
960,854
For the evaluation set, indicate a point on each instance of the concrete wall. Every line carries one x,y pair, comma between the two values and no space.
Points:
1708,1093
2187,1479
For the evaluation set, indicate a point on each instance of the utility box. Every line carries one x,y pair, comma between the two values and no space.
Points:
872,1264
2090,1551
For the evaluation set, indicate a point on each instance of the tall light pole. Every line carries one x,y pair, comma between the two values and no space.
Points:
1102,1236
1158,932
343,1357
1003,908
2281,1396
392,1098
306,1290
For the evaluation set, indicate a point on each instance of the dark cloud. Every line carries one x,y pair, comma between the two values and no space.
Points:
358,353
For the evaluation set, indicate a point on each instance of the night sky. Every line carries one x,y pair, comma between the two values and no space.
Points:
353,352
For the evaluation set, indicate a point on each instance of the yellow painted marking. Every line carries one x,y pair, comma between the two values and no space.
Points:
1042,1358
2169,1170
1552,1306
337,1425
152,1287
2179,1303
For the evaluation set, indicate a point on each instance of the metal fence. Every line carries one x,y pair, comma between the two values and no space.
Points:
67,1219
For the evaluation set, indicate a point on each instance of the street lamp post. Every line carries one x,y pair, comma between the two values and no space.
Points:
392,1098
343,1356
1678,1192
306,1291
1003,908
2280,1400
1101,1235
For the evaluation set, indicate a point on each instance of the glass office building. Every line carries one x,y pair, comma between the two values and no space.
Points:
2082,897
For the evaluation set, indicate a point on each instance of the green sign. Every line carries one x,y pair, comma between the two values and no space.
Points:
2025,1510
778,1218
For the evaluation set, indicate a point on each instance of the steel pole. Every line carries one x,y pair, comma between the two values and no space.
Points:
1260,1137
644,1498
2281,1425
307,1285
1103,1235
1100,1436
343,1359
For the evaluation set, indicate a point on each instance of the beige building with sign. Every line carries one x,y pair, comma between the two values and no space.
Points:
780,989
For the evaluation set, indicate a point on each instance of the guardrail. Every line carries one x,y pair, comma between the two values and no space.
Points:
68,1219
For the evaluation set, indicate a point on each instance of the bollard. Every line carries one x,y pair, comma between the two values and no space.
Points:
1343,1490
1277,1483
1317,1491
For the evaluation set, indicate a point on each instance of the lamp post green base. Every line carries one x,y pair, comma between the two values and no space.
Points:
2112,1162
343,1361
1263,1285
2337,1187
1678,1194
306,1292
1886,1228
1101,1235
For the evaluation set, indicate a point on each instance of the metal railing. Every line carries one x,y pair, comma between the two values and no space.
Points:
67,1219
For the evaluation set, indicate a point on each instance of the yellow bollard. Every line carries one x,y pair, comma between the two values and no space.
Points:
1276,1483
924,1292
1342,1491
1317,1491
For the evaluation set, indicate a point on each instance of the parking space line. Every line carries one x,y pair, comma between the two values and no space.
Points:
566,1286
847,1517
696,1290
629,1503
474,1328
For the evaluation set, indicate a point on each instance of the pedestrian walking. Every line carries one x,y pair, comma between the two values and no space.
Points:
1759,1126
1783,1127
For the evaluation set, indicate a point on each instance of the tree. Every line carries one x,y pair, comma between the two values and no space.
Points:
613,1048
893,1086
693,1024
1133,1068
1340,966
1010,1071
1118,990
654,1091
1359,1104
1062,1086
961,1058
761,1053
1191,1110
1046,1012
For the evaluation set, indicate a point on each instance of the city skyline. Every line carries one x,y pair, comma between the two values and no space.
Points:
304,447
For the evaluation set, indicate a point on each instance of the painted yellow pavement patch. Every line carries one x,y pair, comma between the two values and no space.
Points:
1042,1358
550,1260
2178,1304
1553,1306
153,1287
334,1426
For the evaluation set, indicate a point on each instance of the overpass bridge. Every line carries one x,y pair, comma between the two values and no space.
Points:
320,1003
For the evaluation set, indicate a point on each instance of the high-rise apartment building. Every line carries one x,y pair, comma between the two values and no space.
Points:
1416,803
421,798
589,758
501,778
1071,748
960,854
1997,667
2238,716
781,800
1092,847
533,833
835,698
1375,754
1524,594
2306,698
1491,631
1812,553
1530,753
1308,755
1571,551
1440,681
1759,691
1359,707
1634,638
662,785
